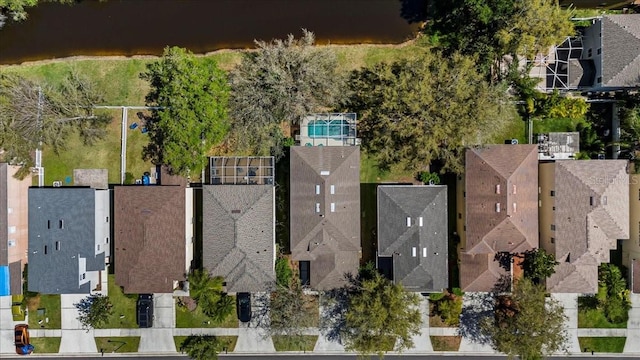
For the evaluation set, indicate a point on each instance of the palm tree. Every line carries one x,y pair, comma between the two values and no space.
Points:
201,285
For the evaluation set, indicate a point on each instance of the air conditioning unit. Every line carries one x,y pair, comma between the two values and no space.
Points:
358,141
57,183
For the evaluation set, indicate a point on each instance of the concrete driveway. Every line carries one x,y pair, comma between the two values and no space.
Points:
570,304
156,340
632,345
74,338
6,326
164,311
422,342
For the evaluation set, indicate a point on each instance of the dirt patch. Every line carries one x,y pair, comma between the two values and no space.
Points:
445,343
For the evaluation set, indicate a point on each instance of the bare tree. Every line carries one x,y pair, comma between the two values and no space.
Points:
35,114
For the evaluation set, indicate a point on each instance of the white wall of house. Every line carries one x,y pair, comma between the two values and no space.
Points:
190,222
102,222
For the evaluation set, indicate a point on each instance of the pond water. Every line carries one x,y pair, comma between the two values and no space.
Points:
145,27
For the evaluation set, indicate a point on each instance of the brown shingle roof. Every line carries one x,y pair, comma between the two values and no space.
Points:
149,231
503,177
329,240
592,212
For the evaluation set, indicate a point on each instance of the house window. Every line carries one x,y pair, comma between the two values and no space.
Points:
553,240
599,51
553,227
61,224
464,194
84,276
515,207
106,240
48,224
57,245
420,221
591,200
459,215
552,193
539,203
408,221
98,247
599,79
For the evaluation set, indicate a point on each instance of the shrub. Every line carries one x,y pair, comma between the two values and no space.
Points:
436,296
429,177
283,272
450,311
616,310
457,292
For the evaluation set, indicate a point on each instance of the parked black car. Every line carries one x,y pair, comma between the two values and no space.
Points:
144,310
244,306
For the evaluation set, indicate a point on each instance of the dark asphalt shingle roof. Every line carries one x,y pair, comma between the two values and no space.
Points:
239,235
150,237
426,270
621,50
329,240
57,271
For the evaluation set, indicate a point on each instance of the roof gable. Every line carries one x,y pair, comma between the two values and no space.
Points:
412,228
149,237
238,235
325,209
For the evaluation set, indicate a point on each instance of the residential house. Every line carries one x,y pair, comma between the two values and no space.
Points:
325,213
412,236
153,234
584,211
631,247
603,57
14,238
498,211
239,223
68,239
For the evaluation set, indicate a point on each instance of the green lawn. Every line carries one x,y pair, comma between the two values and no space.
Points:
45,345
291,343
124,307
602,344
228,342
445,343
594,318
103,154
120,344
196,319
51,306
555,125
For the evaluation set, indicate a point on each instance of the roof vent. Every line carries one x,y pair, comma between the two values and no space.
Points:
235,211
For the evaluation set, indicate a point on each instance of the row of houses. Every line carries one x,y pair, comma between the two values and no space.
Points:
512,198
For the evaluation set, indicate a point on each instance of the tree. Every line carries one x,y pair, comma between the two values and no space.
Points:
616,302
192,94
279,83
207,292
416,112
201,347
16,9
526,324
380,316
538,265
491,29
289,311
36,114
94,310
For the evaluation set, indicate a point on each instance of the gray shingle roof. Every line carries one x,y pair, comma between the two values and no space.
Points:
62,220
330,240
592,212
621,50
238,235
419,250
503,177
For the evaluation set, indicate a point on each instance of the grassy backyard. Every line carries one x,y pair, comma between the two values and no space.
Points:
44,312
120,344
196,319
445,343
602,344
228,342
291,343
45,345
124,307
